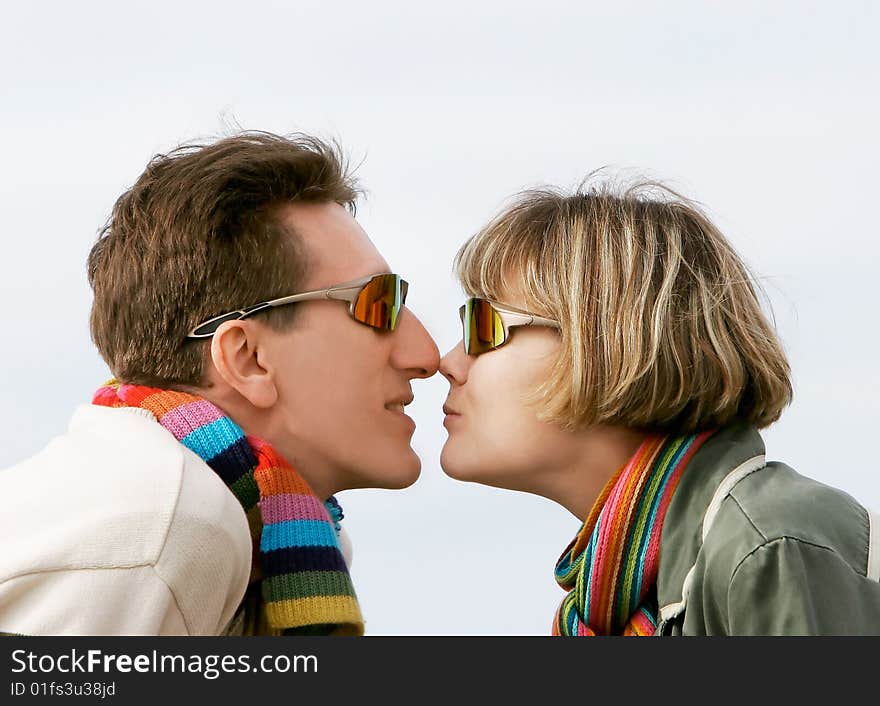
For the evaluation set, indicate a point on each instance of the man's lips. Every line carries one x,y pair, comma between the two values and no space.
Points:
396,408
398,404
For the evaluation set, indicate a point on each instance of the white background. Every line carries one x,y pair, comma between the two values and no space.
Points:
765,112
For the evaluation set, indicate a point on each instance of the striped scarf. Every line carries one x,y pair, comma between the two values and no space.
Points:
299,580
610,568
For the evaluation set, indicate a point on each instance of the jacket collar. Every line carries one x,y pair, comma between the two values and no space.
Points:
681,537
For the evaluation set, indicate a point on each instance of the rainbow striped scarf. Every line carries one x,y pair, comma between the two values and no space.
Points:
610,568
298,567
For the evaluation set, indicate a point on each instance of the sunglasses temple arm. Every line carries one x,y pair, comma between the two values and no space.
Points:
344,294
511,318
541,321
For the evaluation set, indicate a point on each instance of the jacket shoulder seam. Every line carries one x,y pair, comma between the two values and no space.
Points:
778,540
183,469
174,598
748,517
23,574
84,567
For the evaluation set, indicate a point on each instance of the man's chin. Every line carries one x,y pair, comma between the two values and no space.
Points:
394,474
408,473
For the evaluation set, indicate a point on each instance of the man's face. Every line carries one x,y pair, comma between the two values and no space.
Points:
338,418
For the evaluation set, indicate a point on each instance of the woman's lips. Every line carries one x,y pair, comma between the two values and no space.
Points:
451,415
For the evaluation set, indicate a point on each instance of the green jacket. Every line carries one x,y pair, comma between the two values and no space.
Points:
753,548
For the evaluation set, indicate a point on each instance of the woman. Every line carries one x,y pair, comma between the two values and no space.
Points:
615,359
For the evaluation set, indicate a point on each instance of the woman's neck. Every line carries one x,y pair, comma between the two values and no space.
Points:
598,453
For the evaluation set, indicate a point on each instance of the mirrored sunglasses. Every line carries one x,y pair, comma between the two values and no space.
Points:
486,325
374,301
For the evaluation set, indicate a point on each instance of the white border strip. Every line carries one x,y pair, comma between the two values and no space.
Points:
756,463
873,571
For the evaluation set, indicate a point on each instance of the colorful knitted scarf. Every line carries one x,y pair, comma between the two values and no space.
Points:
610,568
299,579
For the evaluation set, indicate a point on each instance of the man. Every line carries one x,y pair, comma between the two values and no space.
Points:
195,495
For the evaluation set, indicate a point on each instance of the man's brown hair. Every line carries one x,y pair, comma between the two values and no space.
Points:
661,326
200,234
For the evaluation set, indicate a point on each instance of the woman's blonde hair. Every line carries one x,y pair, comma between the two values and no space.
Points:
661,327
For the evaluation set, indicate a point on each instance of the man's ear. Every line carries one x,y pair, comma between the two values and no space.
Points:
239,356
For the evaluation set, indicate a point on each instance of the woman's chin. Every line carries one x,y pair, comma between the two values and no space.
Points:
461,466
453,465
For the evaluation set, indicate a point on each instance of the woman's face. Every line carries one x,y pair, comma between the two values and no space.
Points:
494,437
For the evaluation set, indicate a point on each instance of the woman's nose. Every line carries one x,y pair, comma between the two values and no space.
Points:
454,365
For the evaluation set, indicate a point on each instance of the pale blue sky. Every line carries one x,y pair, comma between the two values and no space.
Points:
765,112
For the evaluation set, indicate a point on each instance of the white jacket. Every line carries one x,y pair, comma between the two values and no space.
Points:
115,528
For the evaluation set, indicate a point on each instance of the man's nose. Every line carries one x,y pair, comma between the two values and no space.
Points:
414,349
